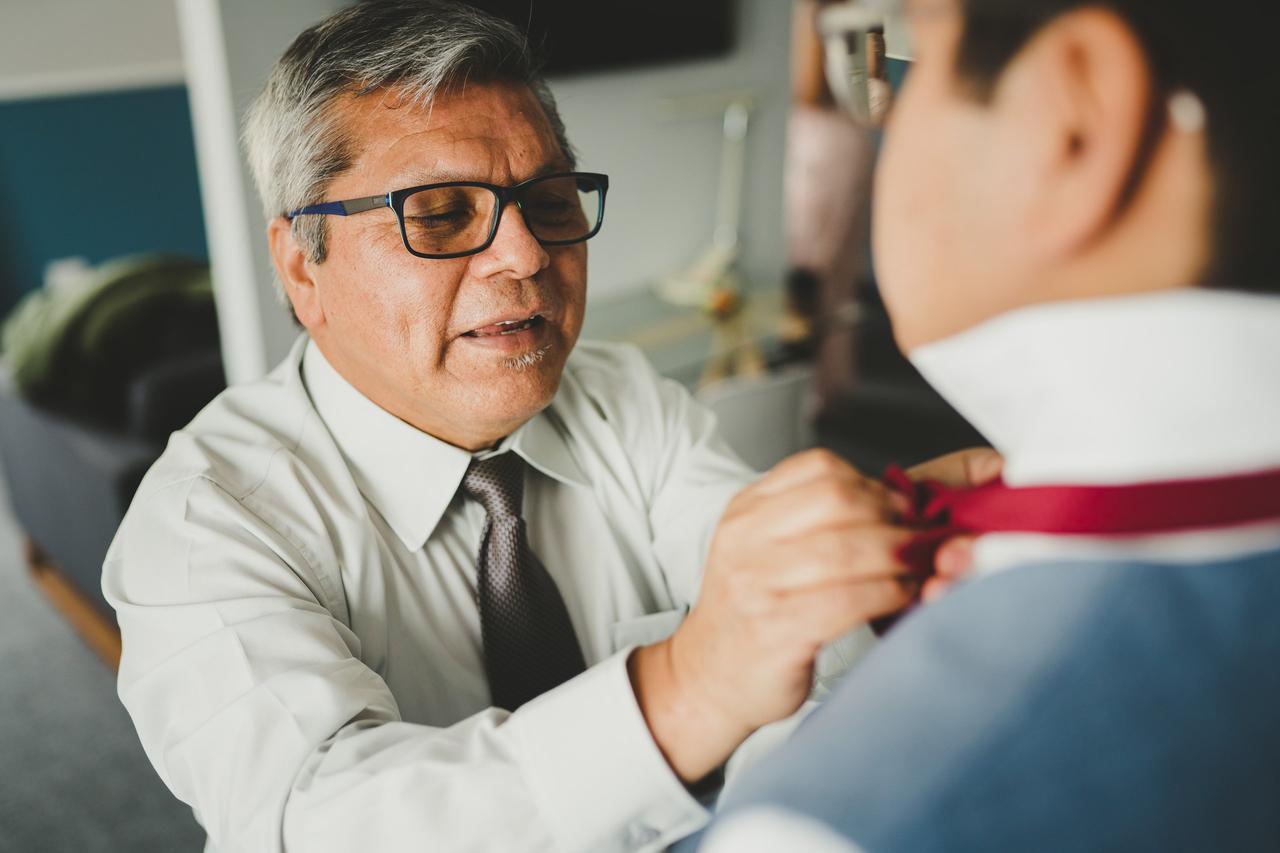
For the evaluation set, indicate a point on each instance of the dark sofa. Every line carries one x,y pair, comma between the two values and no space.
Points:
70,481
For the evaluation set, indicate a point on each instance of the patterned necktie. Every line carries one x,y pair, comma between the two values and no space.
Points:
529,643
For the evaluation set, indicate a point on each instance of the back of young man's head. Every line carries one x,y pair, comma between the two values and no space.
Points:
1057,149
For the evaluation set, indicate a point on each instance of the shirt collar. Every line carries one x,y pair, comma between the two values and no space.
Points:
411,477
1172,385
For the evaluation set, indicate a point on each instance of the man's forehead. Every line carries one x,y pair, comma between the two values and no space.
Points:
477,113
463,135
440,172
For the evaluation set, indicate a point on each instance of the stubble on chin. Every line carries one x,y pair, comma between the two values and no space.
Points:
524,361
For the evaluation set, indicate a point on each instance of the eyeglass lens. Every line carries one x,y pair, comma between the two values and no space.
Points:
449,220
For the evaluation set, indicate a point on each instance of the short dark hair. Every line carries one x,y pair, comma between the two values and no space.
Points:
1218,51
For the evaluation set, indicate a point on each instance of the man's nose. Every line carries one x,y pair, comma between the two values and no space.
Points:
514,251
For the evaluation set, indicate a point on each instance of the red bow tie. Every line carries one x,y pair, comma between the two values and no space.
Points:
940,512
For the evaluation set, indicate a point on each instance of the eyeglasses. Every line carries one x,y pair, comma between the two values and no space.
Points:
854,49
460,218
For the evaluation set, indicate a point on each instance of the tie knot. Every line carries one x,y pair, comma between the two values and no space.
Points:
497,483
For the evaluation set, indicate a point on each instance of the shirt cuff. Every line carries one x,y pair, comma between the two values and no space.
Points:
594,768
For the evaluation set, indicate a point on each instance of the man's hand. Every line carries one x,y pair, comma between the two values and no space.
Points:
958,470
800,558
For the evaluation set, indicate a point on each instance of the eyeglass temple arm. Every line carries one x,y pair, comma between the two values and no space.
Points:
346,208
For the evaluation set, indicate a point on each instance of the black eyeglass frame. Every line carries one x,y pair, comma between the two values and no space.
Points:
505,195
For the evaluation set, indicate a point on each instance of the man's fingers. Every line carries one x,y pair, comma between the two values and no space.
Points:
817,505
933,589
826,614
802,468
955,557
838,556
809,491
953,561
962,469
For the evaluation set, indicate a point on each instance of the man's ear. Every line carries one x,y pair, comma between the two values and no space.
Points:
1083,89
295,273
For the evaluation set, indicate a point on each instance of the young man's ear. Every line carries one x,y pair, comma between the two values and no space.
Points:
1084,90
295,274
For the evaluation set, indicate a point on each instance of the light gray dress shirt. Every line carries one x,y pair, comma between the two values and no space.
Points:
295,585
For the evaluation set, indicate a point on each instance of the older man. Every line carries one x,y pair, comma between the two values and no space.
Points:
390,597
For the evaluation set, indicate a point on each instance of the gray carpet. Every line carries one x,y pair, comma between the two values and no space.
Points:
73,777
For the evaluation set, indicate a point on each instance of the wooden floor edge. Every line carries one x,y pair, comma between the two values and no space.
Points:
95,628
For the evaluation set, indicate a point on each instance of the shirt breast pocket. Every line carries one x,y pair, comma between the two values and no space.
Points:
644,630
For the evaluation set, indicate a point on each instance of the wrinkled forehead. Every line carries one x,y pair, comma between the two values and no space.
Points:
486,131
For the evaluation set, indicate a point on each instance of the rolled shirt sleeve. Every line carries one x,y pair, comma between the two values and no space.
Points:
253,704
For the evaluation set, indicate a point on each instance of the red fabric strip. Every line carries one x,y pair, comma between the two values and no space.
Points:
940,512
1128,510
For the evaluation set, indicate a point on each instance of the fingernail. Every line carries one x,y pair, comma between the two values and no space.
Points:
956,557
899,503
987,466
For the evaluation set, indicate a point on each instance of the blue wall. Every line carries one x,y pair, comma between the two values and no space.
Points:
897,71
97,176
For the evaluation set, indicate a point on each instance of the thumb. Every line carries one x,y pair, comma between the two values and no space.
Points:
964,468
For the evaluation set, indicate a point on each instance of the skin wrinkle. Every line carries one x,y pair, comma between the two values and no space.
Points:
418,176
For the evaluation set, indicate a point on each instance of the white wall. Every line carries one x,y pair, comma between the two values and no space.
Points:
228,48
663,169
61,47
898,41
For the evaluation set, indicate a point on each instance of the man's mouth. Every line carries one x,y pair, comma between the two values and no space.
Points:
506,327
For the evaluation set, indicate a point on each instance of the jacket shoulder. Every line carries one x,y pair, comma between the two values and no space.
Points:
1134,693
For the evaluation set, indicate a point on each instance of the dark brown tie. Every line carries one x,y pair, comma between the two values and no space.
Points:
529,644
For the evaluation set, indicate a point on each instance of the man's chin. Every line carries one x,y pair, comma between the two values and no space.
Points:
519,382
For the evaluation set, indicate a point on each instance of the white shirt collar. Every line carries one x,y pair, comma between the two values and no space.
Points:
410,477
1171,385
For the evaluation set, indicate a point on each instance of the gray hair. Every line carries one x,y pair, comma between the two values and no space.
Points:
296,144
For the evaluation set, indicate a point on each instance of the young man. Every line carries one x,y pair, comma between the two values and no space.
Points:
1075,236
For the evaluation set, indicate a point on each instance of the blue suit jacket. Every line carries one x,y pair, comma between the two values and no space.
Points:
1056,707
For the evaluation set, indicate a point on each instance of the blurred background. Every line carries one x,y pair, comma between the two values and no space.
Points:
135,283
